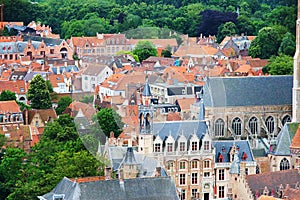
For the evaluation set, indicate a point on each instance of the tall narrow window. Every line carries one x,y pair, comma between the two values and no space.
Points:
221,191
157,147
219,128
253,125
182,179
194,178
194,193
206,164
169,147
206,145
194,146
237,126
221,174
194,164
270,124
183,195
182,165
182,146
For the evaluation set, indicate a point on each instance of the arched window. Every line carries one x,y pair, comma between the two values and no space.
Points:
253,125
286,119
219,127
284,164
237,126
270,124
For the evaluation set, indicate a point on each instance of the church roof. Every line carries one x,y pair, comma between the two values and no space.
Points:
147,91
248,91
296,139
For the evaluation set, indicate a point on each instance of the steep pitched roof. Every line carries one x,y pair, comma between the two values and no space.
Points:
158,188
296,139
45,114
9,106
18,86
247,91
185,103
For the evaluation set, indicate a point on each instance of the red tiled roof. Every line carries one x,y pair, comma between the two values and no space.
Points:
173,116
45,114
9,106
18,86
87,109
185,103
55,79
88,179
296,139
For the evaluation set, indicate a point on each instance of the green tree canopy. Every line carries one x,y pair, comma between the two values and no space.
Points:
280,65
7,95
288,45
144,49
38,93
227,29
63,103
109,120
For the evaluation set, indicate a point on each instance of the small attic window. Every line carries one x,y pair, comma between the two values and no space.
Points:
22,89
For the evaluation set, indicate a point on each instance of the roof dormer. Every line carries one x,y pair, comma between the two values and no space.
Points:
170,144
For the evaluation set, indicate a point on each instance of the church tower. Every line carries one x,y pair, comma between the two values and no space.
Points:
146,122
296,84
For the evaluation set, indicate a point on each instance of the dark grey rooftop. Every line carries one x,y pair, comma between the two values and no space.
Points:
147,91
48,41
158,188
248,91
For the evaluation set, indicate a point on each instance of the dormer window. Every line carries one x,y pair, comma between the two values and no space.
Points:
244,156
157,147
206,145
169,147
221,158
194,146
182,146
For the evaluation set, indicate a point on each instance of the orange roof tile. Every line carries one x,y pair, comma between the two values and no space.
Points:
263,197
88,179
18,86
55,79
185,103
9,106
296,140
87,109
173,116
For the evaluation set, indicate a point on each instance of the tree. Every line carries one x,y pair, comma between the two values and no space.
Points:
166,53
280,65
227,29
144,49
63,103
38,93
288,45
7,95
266,43
109,121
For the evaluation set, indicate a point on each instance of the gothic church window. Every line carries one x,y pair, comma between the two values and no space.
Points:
219,127
286,119
270,124
284,164
253,125
237,126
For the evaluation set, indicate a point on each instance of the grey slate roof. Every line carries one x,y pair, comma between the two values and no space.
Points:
176,128
147,91
243,145
48,41
94,70
158,188
30,75
68,68
248,91
284,139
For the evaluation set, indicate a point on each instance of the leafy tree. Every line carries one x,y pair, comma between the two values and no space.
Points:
109,120
266,44
7,95
227,29
87,99
288,45
136,58
144,49
38,93
166,53
49,86
280,65
63,103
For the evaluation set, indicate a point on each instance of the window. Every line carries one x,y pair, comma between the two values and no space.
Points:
194,146
253,125
157,147
206,174
284,164
182,165
170,165
51,51
246,171
206,145
237,126
286,119
257,169
221,174
219,127
270,124
169,147
206,164
182,146
183,195
194,193
194,164
181,179
183,91
221,192
194,178
58,197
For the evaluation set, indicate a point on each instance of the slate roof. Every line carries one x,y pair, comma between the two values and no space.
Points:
272,180
94,70
284,139
176,128
30,75
147,91
243,145
248,91
158,188
48,41
62,69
